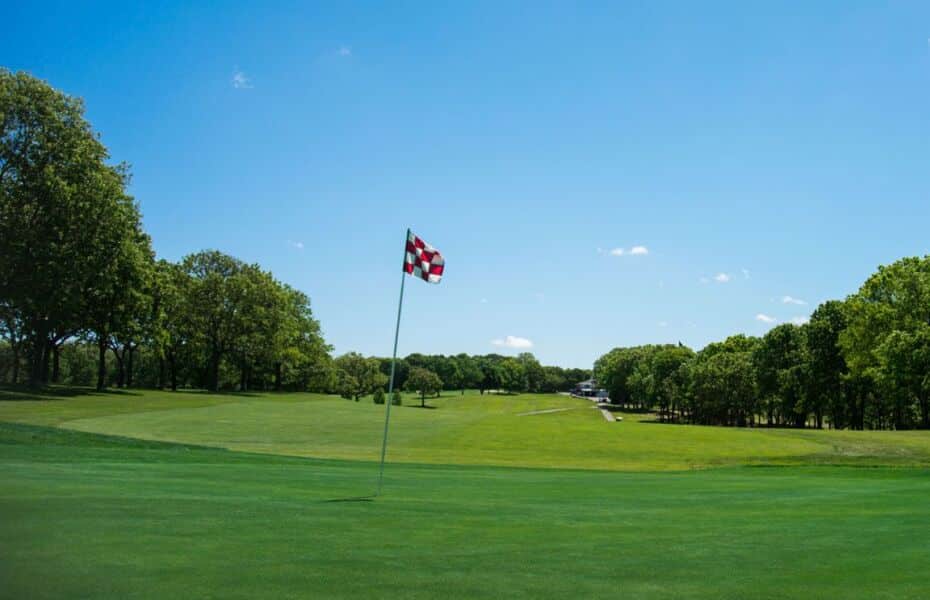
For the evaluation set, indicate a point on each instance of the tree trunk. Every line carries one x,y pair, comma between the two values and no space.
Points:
213,377
924,411
120,368
129,364
15,365
161,372
46,360
174,371
35,359
56,363
101,363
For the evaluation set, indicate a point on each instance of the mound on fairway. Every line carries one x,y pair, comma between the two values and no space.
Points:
469,429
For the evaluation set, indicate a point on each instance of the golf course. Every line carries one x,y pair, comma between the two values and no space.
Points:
147,494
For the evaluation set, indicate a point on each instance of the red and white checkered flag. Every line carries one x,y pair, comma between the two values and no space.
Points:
422,260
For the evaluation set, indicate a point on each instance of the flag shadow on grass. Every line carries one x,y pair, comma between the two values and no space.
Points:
353,499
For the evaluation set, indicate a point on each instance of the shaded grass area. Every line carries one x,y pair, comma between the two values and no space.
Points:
543,430
85,515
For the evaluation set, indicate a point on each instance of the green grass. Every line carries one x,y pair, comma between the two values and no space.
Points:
131,515
92,516
470,429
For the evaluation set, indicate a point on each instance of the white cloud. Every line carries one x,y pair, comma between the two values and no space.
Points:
790,300
765,318
296,245
512,341
634,251
800,320
344,51
721,278
240,81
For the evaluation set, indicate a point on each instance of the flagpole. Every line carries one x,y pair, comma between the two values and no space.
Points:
390,399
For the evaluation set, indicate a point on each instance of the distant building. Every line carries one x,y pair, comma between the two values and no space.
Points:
589,389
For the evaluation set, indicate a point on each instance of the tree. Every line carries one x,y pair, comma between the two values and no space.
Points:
469,370
378,396
212,304
533,372
512,375
66,223
723,388
665,365
363,373
301,356
827,365
886,321
122,263
781,364
423,381
613,371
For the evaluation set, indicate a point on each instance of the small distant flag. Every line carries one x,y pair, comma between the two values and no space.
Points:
422,260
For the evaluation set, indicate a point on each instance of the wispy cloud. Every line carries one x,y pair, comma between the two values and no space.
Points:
240,80
704,279
484,301
745,273
663,323
721,278
800,320
295,245
634,251
512,341
791,300
765,318
344,51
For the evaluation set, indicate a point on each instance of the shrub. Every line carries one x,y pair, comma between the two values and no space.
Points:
378,396
395,398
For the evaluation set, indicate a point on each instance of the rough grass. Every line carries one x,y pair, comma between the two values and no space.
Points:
469,429
85,515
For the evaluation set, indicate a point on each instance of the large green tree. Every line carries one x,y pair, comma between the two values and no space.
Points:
66,223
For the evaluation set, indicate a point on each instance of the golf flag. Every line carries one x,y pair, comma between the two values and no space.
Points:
422,260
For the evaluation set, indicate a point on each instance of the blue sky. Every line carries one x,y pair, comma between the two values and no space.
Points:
765,157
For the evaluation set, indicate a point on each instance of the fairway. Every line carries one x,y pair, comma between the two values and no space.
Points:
92,516
213,509
468,430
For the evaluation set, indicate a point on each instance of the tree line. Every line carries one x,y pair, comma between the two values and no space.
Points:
424,374
858,363
79,278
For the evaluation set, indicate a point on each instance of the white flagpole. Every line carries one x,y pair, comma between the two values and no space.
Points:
390,399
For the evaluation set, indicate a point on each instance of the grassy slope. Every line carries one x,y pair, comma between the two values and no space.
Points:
88,516
472,429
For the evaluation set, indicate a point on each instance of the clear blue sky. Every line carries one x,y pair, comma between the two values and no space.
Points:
783,145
